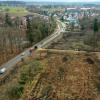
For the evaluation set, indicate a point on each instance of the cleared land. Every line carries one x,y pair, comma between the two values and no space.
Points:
56,76
71,76
75,41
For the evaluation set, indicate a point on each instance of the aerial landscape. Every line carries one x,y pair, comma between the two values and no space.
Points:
50,50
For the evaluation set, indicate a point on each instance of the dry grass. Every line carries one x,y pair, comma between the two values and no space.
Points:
67,77
70,76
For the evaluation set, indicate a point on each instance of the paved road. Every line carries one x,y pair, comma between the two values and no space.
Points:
10,64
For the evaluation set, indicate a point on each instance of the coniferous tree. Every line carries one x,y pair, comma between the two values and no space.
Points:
8,21
29,34
95,29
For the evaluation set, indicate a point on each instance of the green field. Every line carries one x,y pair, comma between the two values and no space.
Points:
18,11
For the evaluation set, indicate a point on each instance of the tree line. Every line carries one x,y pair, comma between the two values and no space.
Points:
37,29
91,25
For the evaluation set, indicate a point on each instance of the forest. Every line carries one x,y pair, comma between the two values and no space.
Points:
19,33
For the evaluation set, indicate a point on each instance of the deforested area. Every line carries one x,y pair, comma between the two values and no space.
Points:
70,76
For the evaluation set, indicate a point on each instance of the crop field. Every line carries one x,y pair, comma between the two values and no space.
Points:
19,11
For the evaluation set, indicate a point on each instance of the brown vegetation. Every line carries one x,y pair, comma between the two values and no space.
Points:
67,77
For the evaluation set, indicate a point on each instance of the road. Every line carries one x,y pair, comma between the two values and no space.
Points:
11,63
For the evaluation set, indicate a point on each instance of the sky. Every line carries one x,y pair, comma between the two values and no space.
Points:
58,0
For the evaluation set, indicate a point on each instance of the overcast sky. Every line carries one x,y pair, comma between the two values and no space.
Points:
58,0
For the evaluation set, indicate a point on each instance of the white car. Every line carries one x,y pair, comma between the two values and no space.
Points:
23,54
2,70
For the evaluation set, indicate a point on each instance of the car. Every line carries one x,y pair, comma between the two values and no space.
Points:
23,54
35,47
2,70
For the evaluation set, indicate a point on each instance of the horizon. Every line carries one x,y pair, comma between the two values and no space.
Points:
67,1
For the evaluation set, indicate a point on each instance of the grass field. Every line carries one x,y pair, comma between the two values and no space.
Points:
18,11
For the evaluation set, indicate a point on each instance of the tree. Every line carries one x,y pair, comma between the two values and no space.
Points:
8,21
72,26
29,34
95,27
62,18
95,35
82,27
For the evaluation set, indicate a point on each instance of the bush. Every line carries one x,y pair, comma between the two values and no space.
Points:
47,90
98,86
23,78
27,74
15,91
64,59
90,61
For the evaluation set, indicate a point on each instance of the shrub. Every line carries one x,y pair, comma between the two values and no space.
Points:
64,59
15,91
90,61
23,78
98,86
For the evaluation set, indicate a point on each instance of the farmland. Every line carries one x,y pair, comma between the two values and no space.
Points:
18,11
